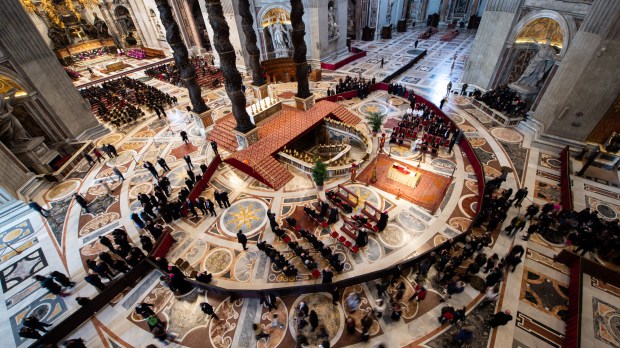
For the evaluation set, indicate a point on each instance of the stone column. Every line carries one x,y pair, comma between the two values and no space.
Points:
490,42
585,84
247,24
30,57
228,58
205,17
304,99
186,69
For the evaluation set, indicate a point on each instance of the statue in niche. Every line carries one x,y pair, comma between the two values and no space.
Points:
89,29
333,28
101,26
130,40
388,14
11,130
538,65
280,39
58,36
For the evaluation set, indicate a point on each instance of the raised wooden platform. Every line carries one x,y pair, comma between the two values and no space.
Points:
278,131
428,193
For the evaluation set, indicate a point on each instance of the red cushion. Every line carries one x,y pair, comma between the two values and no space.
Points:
355,249
286,239
316,273
334,234
347,243
342,239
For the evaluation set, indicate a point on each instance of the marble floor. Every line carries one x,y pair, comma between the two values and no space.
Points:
535,292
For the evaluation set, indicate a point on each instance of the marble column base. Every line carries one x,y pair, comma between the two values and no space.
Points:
35,154
246,139
203,121
260,92
304,104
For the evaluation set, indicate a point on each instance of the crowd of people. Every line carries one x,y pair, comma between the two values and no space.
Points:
424,129
361,85
502,99
205,70
120,101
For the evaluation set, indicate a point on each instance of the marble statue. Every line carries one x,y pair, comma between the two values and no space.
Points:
102,27
11,130
538,65
280,39
388,14
333,28
130,39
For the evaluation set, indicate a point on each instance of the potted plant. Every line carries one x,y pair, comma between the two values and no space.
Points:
319,173
375,120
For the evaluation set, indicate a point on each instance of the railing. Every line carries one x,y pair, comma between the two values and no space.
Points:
357,54
67,326
70,164
566,195
204,182
63,329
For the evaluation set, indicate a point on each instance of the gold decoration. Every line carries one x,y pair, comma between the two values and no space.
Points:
87,3
70,7
51,13
29,6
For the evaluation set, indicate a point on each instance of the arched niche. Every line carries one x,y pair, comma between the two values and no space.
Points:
544,24
29,109
536,26
274,23
122,16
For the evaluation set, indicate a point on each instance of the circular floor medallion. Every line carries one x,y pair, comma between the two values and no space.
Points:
393,236
373,107
606,211
62,190
248,215
218,261
122,158
409,221
110,139
506,134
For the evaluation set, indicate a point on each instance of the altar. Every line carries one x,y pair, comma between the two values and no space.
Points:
403,175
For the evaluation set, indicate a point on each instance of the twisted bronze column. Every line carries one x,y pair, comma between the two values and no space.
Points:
232,77
181,59
247,24
299,55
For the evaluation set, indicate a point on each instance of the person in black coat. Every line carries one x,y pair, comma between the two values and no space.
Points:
218,198
62,279
190,207
225,201
34,323
200,203
162,163
328,275
208,309
203,168
211,207
242,239
184,137
50,285
146,242
188,160
82,202
214,147
95,281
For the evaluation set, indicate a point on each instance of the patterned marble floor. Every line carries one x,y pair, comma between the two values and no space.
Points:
535,292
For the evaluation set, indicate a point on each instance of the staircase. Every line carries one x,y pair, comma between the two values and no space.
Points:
223,133
275,173
341,113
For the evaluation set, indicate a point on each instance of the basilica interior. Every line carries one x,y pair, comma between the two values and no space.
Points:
330,173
